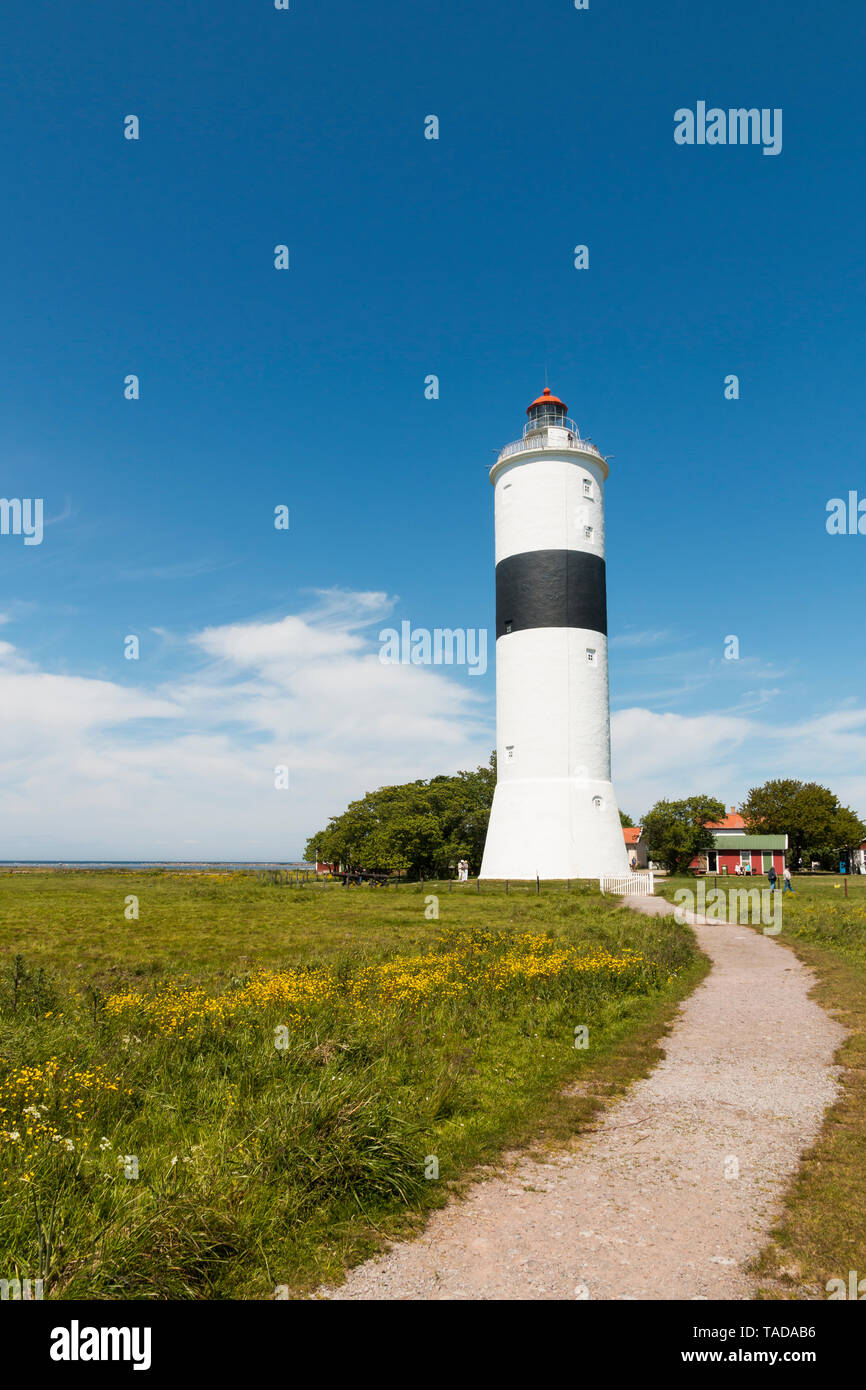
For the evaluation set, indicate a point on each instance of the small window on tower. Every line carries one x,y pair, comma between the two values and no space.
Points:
587,531
509,752
590,655
587,487
508,624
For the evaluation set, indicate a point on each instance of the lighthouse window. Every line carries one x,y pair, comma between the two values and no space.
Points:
508,624
590,655
597,802
587,531
587,487
509,752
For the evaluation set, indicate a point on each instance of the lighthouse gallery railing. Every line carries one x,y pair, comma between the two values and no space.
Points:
581,446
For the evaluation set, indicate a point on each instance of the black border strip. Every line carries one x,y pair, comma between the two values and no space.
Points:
551,588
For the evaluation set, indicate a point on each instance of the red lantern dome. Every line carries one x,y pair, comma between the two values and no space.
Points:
547,399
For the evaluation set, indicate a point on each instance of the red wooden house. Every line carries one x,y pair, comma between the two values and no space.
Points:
735,846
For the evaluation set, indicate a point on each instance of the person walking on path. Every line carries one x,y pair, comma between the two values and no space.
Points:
771,875
789,887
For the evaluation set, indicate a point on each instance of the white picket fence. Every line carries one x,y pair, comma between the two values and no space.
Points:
629,886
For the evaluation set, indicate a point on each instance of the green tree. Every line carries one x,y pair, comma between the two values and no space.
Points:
676,831
626,821
419,827
817,825
848,831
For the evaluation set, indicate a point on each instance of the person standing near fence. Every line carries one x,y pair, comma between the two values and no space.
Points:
789,887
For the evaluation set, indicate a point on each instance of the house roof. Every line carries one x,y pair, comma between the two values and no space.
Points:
733,821
631,834
726,842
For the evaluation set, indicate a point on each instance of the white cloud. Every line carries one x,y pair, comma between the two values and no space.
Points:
724,754
93,768
96,769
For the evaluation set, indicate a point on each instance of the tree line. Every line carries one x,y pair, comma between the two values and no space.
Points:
423,828
818,826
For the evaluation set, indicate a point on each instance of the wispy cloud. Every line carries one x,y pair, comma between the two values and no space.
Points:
61,516
188,569
649,637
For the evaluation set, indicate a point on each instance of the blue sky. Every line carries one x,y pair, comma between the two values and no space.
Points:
306,387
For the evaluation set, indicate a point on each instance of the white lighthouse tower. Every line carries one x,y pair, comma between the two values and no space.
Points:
554,811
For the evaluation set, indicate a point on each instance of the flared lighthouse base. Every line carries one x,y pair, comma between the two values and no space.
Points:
553,829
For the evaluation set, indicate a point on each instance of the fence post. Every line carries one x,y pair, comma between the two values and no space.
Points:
506,885
601,885
422,883
652,887
537,885
478,885
450,884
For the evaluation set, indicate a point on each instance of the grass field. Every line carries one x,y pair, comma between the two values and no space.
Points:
822,1235
252,1086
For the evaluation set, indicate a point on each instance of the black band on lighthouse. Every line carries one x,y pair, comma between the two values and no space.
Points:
551,588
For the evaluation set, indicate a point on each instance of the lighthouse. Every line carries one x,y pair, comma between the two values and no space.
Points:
554,811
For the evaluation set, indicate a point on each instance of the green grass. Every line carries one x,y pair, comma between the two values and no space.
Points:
262,1166
220,922
822,1234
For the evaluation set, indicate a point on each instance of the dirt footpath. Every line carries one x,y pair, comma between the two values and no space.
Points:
675,1188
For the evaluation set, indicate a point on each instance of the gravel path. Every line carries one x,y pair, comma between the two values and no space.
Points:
640,1207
